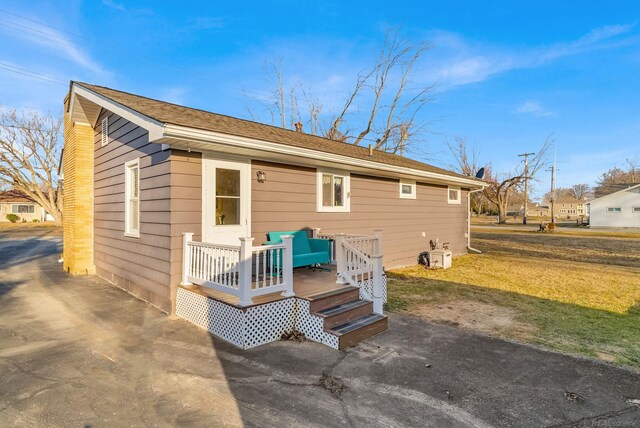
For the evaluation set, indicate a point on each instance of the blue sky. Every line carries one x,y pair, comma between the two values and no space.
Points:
508,75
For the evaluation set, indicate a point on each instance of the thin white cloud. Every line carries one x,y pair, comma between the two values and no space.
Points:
55,42
113,5
534,108
461,61
176,95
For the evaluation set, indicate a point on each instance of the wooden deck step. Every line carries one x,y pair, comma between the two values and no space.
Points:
332,298
355,331
341,314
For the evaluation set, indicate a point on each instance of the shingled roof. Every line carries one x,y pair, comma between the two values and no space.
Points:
14,196
174,114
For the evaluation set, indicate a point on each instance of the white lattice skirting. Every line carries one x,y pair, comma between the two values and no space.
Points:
259,324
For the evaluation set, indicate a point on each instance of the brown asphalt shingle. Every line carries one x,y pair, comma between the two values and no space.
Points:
193,118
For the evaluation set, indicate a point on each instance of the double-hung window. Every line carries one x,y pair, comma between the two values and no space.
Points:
333,191
132,198
614,209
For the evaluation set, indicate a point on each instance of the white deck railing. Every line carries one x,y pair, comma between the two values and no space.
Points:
331,237
359,258
241,270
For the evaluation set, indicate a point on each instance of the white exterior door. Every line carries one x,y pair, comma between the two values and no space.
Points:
226,200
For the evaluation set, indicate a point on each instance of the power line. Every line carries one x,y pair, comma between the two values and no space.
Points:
32,74
31,30
43,24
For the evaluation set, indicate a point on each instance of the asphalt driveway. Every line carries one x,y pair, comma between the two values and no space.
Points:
80,352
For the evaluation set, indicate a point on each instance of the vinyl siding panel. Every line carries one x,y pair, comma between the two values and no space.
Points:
287,201
186,204
139,265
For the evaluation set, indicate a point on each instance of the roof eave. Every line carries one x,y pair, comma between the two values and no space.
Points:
176,132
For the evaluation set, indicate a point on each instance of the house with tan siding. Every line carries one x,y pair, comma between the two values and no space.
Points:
183,208
17,203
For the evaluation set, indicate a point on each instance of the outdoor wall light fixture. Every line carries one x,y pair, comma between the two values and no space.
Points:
262,176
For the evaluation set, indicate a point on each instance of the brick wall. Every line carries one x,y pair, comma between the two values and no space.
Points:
78,198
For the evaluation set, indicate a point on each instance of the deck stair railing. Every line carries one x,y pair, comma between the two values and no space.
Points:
359,259
331,237
244,270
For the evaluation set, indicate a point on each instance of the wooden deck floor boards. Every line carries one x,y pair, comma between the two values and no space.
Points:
306,283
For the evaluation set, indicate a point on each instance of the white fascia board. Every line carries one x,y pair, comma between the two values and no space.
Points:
154,127
180,132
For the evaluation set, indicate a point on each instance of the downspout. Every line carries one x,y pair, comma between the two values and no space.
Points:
469,221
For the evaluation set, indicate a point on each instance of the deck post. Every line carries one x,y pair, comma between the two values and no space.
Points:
315,232
341,260
186,257
287,265
376,258
244,273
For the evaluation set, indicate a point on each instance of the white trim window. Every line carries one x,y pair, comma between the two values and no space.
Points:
105,132
132,198
454,195
407,189
635,210
23,209
333,191
614,210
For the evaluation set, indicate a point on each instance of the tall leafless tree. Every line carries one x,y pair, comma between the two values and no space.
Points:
500,186
30,147
391,103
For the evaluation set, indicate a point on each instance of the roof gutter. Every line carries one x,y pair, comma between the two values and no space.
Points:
192,134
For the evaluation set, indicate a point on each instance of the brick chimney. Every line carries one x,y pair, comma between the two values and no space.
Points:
298,126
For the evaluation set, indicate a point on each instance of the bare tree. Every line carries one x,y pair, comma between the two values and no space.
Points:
466,162
388,119
500,186
30,147
580,191
615,177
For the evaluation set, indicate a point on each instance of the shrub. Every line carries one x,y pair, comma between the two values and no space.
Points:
35,220
13,217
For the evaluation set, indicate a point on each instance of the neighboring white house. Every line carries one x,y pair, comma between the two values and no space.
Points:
16,202
618,209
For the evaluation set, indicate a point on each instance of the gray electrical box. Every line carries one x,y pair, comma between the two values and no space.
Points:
440,259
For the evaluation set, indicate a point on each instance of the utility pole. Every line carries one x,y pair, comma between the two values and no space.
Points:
553,187
526,184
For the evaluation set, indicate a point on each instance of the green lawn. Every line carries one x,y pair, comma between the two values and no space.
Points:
571,294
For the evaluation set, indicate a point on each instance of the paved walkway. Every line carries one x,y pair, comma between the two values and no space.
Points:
80,352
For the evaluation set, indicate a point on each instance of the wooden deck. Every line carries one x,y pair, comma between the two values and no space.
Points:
306,283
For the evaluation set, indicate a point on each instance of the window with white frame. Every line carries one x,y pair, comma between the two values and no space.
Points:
453,195
407,189
614,209
333,191
132,198
636,210
22,209
105,131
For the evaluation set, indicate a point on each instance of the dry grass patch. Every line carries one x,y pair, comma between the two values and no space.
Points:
536,291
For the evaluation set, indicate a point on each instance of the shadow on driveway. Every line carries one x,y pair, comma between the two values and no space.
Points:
76,351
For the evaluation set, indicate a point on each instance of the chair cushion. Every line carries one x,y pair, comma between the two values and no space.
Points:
300,240
310,259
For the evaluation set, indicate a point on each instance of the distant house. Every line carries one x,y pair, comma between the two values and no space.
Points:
570,207
617,209
16,202
534,209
